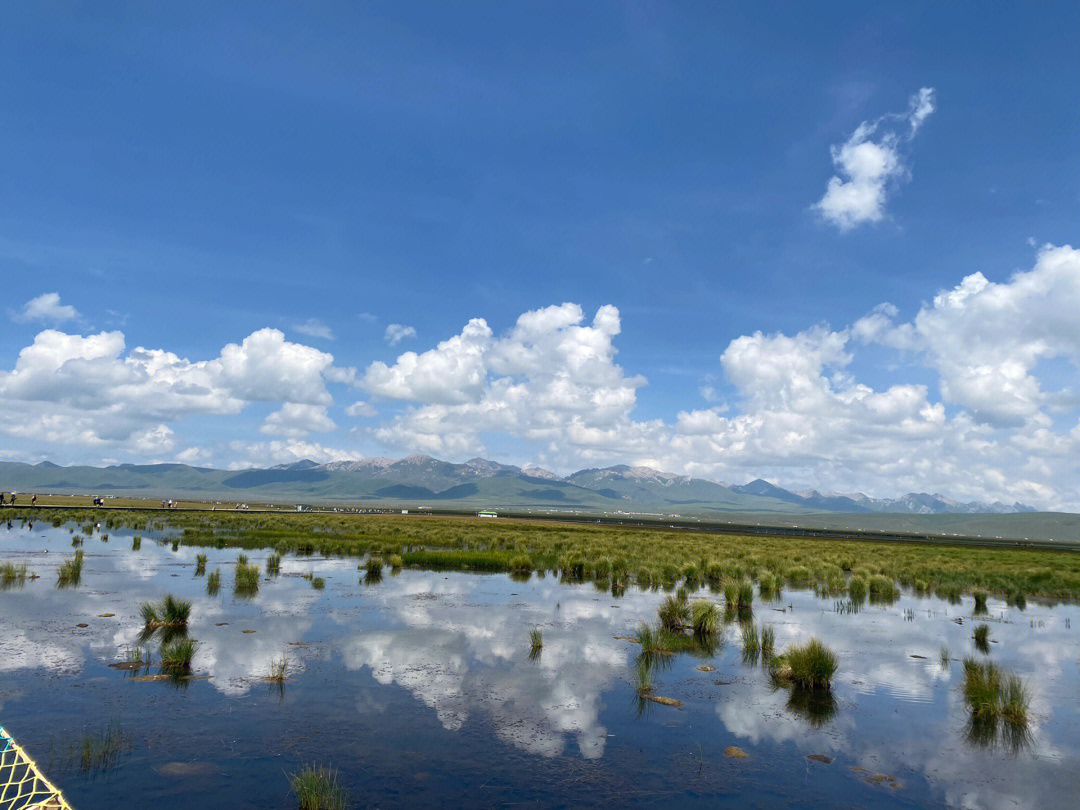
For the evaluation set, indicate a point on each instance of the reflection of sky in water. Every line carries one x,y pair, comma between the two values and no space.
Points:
457,645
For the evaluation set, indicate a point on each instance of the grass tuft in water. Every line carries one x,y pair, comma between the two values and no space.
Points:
12,574
97,752
945,656
136,543
536,640
69,575
674,613
318,789
981,637
279,670
177,656
169,612
273,565
704,617
200,564
806,666
993,694
318,583
768,641
245,577
980,602
213,582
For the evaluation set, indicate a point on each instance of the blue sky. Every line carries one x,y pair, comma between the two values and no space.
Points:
189,177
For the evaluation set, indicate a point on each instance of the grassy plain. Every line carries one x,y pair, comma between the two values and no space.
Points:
613,556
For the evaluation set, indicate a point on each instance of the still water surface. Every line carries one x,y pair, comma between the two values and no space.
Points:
420,691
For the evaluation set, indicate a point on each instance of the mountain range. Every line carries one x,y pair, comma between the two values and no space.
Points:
422,480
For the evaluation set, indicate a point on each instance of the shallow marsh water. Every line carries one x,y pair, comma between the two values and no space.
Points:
420,691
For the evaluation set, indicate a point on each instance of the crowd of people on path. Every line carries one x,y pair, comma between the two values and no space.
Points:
10,500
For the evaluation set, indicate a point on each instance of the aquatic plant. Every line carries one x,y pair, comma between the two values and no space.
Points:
883,589
945,657
674,613
751,644
169,612
245,578
200,564
138,655
980,601
12,574
767,636
273,565
857,589
704,617
653,640
136,543
69,574
213,582
981,637
807,666
395,562
994,694
177,656
318,789
536,638
318,583
99,751
279,669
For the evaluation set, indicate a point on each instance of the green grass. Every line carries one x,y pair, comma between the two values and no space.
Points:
136,543
213,582
245,577
200,564
318,583
806,666
658,556
981,637
318,789
12,574
653,640
883,589
97,752
674,613
857,589
993,694
536,639
138,655
169,612
273,565
69,574
176,656
945,656
768,641
751,644
980,601
704,617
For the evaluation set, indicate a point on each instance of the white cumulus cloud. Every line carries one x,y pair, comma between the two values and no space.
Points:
870,164
46,307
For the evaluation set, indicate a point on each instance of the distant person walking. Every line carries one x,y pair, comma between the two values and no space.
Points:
33,501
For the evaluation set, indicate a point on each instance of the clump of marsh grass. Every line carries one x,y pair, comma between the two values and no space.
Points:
279,670
98,752
12,574
704,617
176,656
980,602
373,569
175,545
806,666
981,637
213,582
536,643
767,636
245,577
69,574
751,644
169,612
857,589
674,613
138,656
945,656
273,565
318,583
993,694
653,640
318,789
200,564
395,562
883,589
136,543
